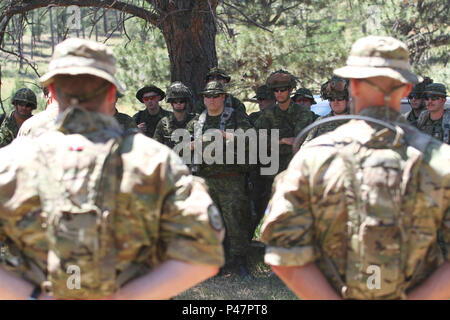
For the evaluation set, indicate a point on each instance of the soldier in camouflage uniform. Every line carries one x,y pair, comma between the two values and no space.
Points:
147,119
226,182
417,102
180,97
266,99
85,206
335,91
304,97
24,101
356,213
123,119
216,74
435,121
37,123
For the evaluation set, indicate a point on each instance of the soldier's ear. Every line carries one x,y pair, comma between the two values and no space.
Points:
111,94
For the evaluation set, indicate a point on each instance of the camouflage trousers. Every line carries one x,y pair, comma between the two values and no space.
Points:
260,195
229,194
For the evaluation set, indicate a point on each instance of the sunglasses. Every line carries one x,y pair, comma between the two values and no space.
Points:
336,98
415,96
214,96
281,89
433,97
179,101
24,104
153,98
301,99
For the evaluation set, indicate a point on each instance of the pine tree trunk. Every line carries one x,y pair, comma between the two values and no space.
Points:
191,41
32,35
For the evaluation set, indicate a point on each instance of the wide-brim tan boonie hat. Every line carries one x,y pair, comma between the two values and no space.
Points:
375,56
80,56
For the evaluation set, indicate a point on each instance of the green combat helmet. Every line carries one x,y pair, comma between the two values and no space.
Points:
25,95
177,90
281,78
264,93
306,93
436,88
213,87
216,72
418,90
333,88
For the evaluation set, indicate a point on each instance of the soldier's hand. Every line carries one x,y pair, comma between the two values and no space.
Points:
142,126
289,141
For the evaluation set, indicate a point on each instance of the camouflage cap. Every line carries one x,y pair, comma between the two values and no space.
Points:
177,90
80,56
25,95
149,88
306,93
215,71
281,78
263,92
418,89
213,87
375,56
436,88
335,87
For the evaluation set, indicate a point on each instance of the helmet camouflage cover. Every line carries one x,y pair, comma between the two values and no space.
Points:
213,87
26,95
177,90
335,87
215,71
418,90
281,78
306,93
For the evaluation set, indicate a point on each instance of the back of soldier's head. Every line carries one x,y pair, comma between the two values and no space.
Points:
81,72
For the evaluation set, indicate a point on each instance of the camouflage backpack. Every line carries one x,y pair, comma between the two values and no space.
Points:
78,188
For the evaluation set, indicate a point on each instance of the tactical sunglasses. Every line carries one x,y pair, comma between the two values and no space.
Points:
179,101
415,96
281,89
153,98
212,95
433,97
336,98
301,99
24,104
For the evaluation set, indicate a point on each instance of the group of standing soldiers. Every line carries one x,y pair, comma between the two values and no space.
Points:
239,190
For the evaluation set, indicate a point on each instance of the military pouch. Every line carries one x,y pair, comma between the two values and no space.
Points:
81,261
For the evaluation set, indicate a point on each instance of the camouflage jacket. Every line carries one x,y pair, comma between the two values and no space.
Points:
235,103
254,116
167,125
289,123
8,130
433,127
40,122
151,121
314,218
317,131
125,120
411,117
161,212
236,121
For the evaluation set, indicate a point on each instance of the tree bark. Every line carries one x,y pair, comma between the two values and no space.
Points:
52,30
189,30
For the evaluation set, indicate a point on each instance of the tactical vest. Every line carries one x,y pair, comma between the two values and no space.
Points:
78,209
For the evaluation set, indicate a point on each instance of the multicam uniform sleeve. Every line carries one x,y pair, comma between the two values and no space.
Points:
191,226
6,135
287,227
